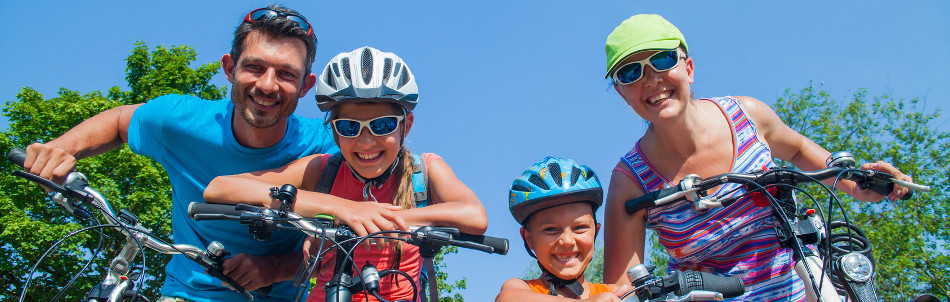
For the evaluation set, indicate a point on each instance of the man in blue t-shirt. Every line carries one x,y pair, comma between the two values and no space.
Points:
195,140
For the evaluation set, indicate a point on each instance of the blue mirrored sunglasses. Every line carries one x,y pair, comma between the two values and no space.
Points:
661,61
265,13
379,126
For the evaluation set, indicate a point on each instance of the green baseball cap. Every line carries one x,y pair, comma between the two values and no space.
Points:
639,33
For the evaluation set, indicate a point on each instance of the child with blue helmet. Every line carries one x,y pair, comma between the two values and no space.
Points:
555,202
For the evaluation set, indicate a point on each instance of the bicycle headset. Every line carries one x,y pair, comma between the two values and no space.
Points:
549,183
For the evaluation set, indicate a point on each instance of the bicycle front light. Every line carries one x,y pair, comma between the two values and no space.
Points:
856,267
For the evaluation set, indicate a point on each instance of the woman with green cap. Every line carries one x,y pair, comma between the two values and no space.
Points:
648,61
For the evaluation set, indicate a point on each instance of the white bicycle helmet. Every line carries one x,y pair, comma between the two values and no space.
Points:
366,75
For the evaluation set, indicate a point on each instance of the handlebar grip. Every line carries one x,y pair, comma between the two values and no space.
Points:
497,245
17,156
233,284
648,200
208,210
728,286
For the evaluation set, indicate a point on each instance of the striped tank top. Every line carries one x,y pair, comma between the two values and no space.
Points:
738,240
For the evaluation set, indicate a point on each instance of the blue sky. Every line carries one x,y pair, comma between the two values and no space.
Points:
505,83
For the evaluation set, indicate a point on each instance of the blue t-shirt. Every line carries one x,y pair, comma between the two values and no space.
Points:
192,139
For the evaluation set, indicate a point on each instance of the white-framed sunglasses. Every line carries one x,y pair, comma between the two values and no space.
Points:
661,61
383,125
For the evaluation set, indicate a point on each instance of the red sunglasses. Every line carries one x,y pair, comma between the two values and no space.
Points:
265,13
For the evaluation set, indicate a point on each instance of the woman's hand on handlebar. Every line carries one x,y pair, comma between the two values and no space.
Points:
49,162
880,166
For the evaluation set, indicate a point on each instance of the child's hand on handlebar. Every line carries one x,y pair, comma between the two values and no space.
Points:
369,217
880,166
610,297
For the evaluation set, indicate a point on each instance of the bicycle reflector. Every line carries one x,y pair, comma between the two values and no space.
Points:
856,267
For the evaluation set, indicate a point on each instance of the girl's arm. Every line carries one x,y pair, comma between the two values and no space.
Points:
789,145
624,235
254,188
451,203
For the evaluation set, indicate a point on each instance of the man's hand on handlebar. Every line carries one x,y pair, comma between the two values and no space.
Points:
880,166
254,272
49,162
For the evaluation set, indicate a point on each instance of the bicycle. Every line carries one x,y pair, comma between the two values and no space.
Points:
847,253
73,196
344,283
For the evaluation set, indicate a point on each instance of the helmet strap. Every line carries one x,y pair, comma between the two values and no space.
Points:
375,182
554,283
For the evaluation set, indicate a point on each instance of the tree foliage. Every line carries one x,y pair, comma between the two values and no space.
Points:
31,222
909,237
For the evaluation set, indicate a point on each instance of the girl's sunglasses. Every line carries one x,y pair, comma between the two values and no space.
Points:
265,13
379,126
661,61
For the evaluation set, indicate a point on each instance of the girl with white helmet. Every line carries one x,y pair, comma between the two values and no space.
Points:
369,96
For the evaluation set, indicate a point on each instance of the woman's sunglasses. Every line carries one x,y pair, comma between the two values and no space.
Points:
265,13
379,126
661,61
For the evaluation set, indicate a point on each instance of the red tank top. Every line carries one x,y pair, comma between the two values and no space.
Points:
347,186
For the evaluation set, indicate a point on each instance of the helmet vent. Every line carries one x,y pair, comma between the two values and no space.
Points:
387,68
537,181
329,77
590,173
575,174
555,170
520,188
346,68
367,65
405,77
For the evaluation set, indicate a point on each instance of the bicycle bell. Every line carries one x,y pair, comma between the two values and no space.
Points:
841,159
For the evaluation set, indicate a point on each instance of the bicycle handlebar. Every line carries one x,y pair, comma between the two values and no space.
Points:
879,182
687,285
207,211
76,188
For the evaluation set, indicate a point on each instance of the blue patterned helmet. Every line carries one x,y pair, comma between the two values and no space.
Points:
553,182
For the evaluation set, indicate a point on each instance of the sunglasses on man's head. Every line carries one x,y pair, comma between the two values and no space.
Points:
265,13
379,126
660,61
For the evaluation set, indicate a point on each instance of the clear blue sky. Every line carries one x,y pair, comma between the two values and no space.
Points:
505,83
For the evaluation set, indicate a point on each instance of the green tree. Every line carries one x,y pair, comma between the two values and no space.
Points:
448,290
909,237
31,223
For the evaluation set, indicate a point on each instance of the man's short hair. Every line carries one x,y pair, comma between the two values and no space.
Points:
278,27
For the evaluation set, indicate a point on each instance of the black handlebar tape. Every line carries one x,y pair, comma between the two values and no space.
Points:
17,156
208,210
498,245
648,200
690,281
